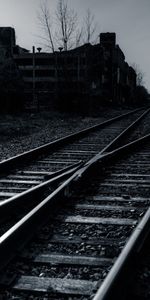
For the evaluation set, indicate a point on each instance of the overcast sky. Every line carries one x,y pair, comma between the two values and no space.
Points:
130,19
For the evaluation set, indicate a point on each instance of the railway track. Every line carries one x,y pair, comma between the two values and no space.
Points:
75,254
31,172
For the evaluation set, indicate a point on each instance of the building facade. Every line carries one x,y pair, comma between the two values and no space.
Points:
84,75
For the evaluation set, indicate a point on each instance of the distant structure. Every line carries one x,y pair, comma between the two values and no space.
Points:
8,47
7,41
82,76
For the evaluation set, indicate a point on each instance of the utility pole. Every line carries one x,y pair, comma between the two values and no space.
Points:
33,74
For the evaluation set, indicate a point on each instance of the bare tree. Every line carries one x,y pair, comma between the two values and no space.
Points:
90,26
67,24
140,78
79,37
61,30
46,24
139,75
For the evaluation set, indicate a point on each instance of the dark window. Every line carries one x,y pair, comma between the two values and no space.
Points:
27,73
45,73
24,62
29,85
48,86
44,61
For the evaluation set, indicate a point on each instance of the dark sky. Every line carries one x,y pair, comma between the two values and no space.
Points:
130,19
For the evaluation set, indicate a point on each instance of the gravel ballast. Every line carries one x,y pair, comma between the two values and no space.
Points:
22,132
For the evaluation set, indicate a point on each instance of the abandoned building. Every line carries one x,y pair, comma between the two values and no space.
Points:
84,75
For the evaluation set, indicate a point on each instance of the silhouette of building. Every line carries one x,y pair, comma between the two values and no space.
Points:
7,42
78,77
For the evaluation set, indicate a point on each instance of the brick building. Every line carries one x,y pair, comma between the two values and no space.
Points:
84,75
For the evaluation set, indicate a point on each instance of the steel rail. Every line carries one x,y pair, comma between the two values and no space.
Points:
125,132
111,287
34,191
32,219
106,157
28,155
107,149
